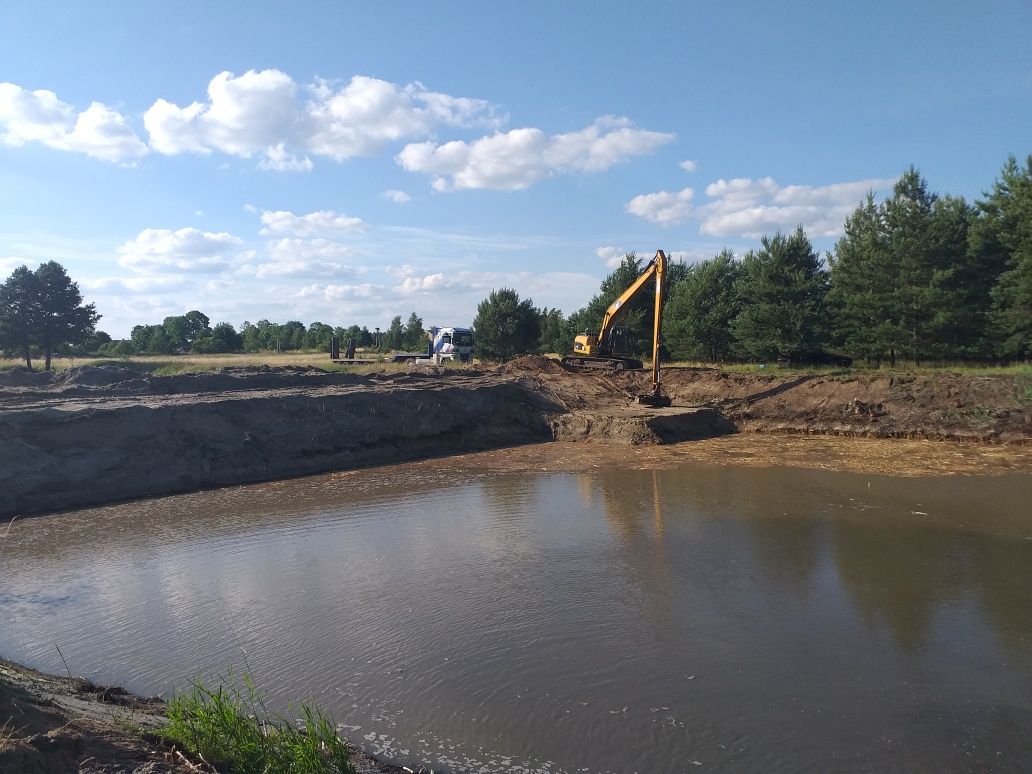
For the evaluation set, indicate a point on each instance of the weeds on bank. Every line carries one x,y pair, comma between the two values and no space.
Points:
230,729
1023,384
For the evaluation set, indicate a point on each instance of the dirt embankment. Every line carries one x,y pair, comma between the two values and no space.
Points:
96,435
93,435
935,406
59,725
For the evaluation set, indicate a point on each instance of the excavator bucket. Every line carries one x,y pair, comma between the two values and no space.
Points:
655,399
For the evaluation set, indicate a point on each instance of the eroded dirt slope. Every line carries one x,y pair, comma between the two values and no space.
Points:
77,441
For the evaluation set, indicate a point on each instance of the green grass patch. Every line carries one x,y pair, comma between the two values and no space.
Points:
1023,384
230,728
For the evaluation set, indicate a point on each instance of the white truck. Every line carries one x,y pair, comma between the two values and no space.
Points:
447,344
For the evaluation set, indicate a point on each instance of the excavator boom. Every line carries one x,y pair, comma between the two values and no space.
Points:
600,351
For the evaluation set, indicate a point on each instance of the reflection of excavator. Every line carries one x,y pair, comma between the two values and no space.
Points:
611,347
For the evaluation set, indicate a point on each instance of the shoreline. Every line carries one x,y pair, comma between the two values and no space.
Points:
70,724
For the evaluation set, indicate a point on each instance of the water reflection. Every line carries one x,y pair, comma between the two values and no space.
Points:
609,620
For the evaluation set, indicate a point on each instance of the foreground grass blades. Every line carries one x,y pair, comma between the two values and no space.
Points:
229,729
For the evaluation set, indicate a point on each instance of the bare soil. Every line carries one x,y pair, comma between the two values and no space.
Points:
91,435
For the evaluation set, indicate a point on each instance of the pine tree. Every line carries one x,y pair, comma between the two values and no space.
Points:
908,223
395,334
697,318
864,279
1005,228
414,336
783,288
505,326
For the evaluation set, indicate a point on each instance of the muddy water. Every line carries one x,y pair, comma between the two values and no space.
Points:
692,618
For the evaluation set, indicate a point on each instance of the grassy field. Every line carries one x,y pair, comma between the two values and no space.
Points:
165,365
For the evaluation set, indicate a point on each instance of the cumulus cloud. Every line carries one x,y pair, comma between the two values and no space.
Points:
519,158
279,159
291,257
752,207
265,113
689,165
117,286
398,197
318,291
39,116
318,222
431,282
664,208
611,255
156,250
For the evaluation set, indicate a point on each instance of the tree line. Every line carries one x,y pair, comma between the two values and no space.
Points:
919,276
191,333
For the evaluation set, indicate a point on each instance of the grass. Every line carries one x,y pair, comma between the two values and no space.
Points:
230,729
1023,384
968,369
171,365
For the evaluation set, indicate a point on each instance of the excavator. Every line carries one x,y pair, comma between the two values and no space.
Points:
610,349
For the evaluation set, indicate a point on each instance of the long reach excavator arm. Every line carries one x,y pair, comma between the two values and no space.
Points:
610,348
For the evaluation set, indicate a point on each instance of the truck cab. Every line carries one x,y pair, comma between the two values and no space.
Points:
452,343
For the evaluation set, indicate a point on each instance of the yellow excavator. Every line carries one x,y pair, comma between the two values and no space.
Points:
610,349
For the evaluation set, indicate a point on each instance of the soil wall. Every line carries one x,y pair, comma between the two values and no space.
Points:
84,445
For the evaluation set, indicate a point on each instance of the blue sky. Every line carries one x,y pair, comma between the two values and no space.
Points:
347,162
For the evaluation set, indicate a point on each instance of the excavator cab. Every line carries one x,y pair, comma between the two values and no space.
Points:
619,343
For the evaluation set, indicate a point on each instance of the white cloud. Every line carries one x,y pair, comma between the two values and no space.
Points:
278,159
664,208
611,255
188,250
321,221
307,249
751,208
9,264
429,283
519,158
689,165
335,293
400,272
398,197
302,258
261,113
39,116
117,286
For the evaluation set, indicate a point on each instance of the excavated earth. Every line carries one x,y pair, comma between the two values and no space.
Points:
91,435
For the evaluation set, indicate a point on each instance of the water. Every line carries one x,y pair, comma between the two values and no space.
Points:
612,620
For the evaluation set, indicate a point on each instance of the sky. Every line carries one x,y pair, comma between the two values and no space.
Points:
347,162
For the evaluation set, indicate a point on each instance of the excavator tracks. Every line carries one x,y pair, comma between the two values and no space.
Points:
603,363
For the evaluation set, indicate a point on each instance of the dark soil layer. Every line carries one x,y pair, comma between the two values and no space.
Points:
94,435
78,441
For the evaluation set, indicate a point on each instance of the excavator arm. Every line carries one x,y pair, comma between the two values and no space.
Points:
597,351
655,268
